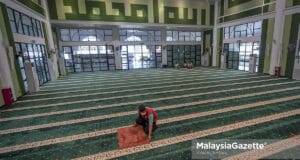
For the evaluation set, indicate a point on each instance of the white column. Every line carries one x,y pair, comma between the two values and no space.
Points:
161,11
81,7
180,12
127,6
54,67
215,31
117,48
150,12
32,78
164,47
277,36
5,72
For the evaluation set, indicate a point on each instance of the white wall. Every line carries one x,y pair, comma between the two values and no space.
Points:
28,39
5,68
54,56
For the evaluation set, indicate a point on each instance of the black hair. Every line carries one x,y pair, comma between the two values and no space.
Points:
142,108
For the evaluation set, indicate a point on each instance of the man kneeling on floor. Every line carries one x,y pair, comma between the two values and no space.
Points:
147,118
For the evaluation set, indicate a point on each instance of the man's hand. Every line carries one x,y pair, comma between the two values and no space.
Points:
150,131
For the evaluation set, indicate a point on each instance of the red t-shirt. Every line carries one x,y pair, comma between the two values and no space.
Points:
149,112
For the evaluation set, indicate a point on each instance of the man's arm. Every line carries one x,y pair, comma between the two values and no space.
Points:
150,122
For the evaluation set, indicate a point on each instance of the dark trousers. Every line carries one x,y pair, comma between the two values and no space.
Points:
139,120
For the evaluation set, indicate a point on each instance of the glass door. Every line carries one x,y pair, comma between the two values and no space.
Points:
141,56
233,55
124,57
89,58
38,64
148,56
95,58
68,56
238,56
77,59
86,58
103,58
36,54
170,55
158,56
183,54
135,56
110,57
152,56
21,64
198,55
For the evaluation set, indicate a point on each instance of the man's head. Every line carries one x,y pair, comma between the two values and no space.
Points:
142,110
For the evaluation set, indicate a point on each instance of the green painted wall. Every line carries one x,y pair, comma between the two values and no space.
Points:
55,37
177,20
46,39
52,10
8,36
233,10
219,47
232,3
240,15
268,47
34,6
138,11
294,29
91,6
296,2
241,6
285,40
155,11
289,38
221,9
203,16
263,46
207,42
290,3
212,15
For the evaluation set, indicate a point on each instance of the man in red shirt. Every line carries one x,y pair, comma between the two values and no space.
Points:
147,118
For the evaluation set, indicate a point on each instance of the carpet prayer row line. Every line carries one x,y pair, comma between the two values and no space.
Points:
142,87
132,83
44,104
